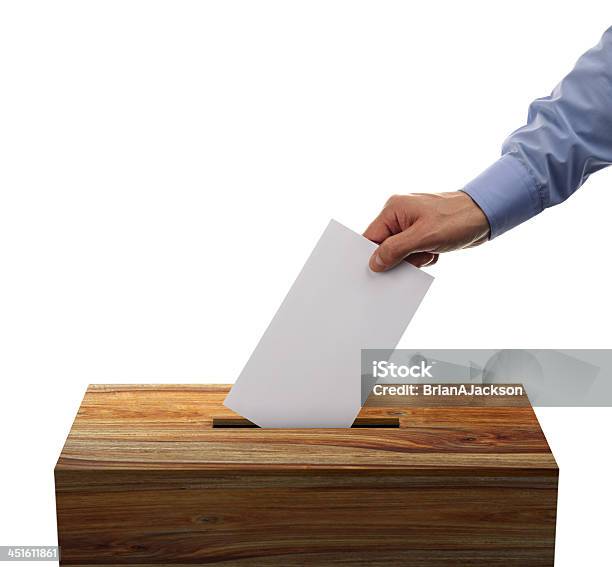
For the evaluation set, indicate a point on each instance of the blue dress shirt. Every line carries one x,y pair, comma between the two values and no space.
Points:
567,137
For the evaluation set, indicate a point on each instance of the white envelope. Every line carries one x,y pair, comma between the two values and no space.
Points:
306,369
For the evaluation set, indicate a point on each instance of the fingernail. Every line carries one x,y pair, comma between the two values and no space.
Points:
378,262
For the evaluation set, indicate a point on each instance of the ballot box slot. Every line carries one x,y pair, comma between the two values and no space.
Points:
359,423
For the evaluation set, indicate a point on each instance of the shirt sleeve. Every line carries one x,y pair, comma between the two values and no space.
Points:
567,137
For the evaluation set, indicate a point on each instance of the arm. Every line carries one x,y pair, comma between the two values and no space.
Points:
567,137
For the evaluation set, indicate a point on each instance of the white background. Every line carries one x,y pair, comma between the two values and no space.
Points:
166,167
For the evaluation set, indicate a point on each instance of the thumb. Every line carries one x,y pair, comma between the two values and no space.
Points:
394,249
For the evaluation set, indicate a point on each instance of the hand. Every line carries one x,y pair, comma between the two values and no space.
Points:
420,226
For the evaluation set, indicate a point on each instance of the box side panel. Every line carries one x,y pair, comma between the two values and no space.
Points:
482,518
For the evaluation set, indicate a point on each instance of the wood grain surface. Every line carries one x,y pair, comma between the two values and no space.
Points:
145,478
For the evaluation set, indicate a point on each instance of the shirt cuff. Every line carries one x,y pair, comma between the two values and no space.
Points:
506,193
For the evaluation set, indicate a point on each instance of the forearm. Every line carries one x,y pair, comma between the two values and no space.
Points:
567,137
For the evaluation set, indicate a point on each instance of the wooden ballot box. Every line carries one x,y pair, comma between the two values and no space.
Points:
166,475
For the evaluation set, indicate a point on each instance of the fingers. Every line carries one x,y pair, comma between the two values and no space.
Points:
422,259
394,249
434,260
400,236
379,229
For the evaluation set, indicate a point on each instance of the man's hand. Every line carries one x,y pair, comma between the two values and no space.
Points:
420,226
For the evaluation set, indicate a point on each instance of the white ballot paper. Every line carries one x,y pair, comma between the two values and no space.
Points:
306,369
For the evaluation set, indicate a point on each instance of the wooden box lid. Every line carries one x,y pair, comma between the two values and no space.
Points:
159,427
